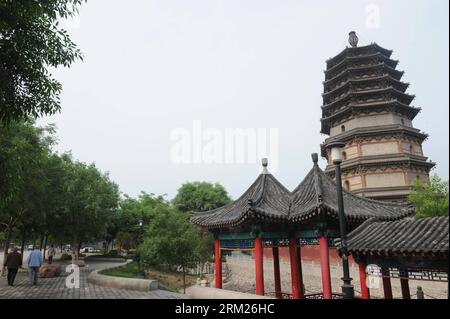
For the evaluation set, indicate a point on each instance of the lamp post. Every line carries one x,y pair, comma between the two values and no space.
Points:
336,156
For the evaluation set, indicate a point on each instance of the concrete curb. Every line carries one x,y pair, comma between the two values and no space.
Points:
120,282
199,292
105,259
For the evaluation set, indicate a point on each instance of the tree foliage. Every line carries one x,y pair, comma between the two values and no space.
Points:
91,198
133,216
172,241
44,194
32,41
431,198
200,196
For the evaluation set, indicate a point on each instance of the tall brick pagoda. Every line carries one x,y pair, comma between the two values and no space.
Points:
365,105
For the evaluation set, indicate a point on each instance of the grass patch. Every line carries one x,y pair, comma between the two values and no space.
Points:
130,270
171,281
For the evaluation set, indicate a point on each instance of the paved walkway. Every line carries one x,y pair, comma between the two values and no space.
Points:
55,288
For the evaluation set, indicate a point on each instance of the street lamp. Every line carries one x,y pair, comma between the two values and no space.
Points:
336,156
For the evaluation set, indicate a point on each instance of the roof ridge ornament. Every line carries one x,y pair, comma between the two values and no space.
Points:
353,39
265,163
317,182
315,158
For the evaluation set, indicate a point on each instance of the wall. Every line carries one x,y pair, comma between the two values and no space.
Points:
379,148
385,180
370,120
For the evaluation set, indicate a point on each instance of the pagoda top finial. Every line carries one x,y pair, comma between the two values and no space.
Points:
353,39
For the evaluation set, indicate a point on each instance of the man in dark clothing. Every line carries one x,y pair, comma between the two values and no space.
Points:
13,262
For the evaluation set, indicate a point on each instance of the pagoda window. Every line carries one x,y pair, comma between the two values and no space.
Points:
411,149
343,128
403,122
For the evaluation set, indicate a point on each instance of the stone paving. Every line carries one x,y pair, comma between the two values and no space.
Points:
55,288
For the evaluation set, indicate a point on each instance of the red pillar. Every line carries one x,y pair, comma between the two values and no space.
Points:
300,272
325,265
387,287
218,264
404,285
259,270
294,268
276,272
365,293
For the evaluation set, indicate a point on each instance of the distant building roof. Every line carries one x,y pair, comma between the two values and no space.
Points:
374,47
427,236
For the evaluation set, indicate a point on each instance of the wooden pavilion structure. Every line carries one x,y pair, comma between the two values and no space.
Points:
405,249
268,215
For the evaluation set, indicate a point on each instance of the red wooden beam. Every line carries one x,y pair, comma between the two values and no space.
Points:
365,292
218,264
387,287
276,272
294,268
325,265
300,272
259,270
405,288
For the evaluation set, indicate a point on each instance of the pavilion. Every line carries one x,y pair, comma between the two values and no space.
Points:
268,215
404,249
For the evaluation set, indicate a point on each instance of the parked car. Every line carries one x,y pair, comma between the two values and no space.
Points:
88,250
30,247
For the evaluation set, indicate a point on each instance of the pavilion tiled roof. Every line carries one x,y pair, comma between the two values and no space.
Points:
317,195
428,236
268,200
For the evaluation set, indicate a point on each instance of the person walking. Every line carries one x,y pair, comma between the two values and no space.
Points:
13,262
35,261
50,253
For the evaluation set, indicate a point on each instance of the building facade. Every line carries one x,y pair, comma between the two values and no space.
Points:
365,105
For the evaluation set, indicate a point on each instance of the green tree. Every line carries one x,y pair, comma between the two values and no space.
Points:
31,42
45,196
172,241
91,199
431,198
200,196
23,150
133,216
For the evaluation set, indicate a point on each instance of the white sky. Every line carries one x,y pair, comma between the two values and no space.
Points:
153,66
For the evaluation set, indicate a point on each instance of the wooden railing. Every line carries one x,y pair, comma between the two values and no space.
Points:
318,295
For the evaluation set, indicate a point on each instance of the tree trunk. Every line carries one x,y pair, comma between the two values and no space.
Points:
45,244
74,248
184,279
41,242
5,253
22,247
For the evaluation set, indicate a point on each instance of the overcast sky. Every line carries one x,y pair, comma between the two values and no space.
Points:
154,66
